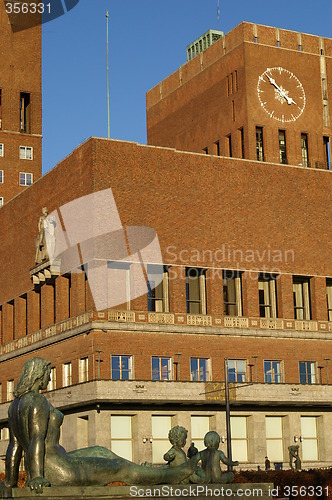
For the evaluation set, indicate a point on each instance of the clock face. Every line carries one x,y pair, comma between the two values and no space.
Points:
281,94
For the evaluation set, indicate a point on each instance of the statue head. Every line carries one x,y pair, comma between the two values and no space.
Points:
212,440
44,211
178,435
34,369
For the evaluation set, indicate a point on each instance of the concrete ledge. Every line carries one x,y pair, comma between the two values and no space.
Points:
258,490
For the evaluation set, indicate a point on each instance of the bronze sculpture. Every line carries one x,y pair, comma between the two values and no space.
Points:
294,457
176,456
34,426
211,458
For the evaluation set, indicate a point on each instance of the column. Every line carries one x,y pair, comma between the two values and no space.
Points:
177,289
8,322
20,320
62,285
77,293
250,294
318,298
285,296
47,305
214,291
33,311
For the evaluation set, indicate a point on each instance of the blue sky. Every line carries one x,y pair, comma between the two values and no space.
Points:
147,42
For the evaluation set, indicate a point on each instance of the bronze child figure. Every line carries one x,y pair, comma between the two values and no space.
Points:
211,458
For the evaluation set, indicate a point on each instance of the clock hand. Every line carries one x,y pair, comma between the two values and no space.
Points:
281,92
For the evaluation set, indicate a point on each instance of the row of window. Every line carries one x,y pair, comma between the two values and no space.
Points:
24,112
275,435
122,439
25,178
282,146
164,369
232,293
25,152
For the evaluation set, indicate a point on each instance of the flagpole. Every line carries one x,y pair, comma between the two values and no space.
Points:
108,82
218,12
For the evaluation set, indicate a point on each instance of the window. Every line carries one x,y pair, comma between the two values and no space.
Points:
229,151
83,375
26,179
229,85
307,371
206,151
267,289
239,435
233,111
199,369
122,436
232,293
26,153
52,383
0,108
301,298
272,372
309,438
121,367
200,425
82,435
326,114
66,375
305,151
237,370
259,144
274,438
217,148
161,425
195,290
25,112
2,149
282,147
118,276
4,435
327,153
329,299
1,176
10,390
158,289
161,368
1,201
242,142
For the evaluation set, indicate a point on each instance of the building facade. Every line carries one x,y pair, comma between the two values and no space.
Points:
20,107
259,93
245,274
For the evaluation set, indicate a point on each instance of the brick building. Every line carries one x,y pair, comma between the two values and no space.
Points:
20,106
246,268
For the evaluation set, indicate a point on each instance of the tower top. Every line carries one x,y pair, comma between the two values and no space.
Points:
202,43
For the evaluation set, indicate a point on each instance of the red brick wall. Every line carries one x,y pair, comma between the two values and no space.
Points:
191,109
20,55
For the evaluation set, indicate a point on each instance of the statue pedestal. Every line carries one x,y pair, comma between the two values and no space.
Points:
165,491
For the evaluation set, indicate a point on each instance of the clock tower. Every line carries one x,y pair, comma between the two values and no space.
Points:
258,93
